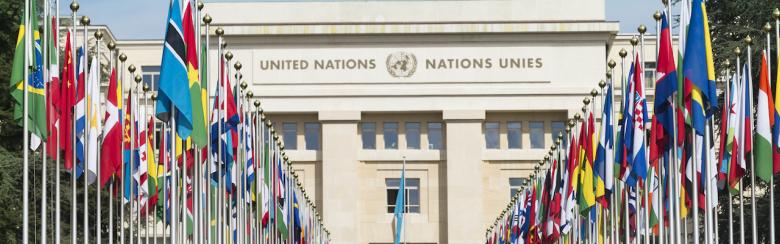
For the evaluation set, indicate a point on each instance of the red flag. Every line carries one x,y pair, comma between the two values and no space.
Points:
67,101
112,131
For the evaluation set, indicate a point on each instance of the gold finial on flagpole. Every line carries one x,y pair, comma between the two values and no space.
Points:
111,45
154,96
237,65
642,29
737,51
657,16
207,19
749,40
85,20
594,92
145,87
200,5
634,41
122,57
74,6
586,100
623,53
229,56
611,64
131,68
257,103
219,31
98,34
602,84
767,27
776,13
138,79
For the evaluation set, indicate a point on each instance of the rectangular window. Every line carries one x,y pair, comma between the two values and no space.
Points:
559,127
368,134
290,135
412,135
515,184
649,74
434,136
514,132
390,133
491,135
151,76
312,135
537,134
412,197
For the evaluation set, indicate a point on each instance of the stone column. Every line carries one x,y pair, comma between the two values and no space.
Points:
340,201
463,183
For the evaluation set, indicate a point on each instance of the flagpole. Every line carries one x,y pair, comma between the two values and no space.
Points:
74,7
165,193
98,37
207,21
133,93
57,213
123,174
25,132
612,212
85,23
47,87
156,168
741,193
143,122
198,174
768,29
749,42
657,17
727,103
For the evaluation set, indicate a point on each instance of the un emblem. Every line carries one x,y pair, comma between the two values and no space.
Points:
401,64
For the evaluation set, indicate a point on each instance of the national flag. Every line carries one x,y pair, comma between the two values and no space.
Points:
112,130
586,197
67,103
129,135
281,200
603,165
698,68
726,133
197,99
765,119
80,110
743,138
638,157
54,90
665,87
776,128
173,76
34,82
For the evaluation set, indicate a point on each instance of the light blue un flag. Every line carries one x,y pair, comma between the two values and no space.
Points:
399,207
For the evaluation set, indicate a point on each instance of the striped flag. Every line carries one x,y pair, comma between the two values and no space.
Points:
764,121
112,131
173,76
197,99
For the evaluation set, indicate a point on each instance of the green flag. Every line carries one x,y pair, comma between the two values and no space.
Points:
35,81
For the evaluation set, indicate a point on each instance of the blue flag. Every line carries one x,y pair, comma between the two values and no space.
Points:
173,95
398,214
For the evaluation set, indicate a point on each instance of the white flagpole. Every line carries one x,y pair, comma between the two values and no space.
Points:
741,193
98,38
74,7
749,42
657,17
768,29
57,213
130,178
174,179
47,87
207,20
197,176
727,102
776,14
112,66
25,131
85,23
143,122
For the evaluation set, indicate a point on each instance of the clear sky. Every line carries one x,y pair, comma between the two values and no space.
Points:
145,19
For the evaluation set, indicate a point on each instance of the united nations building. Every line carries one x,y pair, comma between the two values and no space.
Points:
470,94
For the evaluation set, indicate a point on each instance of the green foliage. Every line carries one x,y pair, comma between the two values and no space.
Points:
10,15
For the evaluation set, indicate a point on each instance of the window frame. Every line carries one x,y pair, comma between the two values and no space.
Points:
317,134
293,143
364,135
440,140
385,137
509,130
488,133
418,136
409,207
531,134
